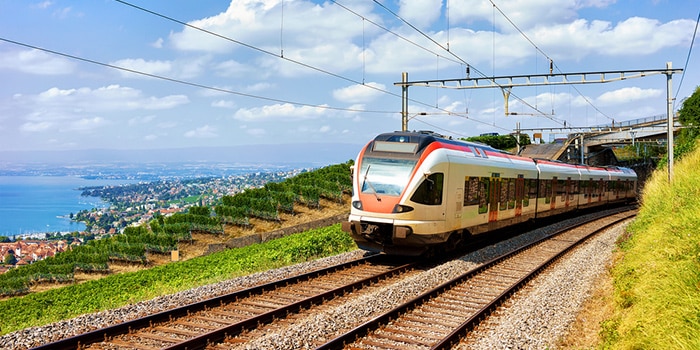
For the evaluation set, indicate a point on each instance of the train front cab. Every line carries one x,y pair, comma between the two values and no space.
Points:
398,195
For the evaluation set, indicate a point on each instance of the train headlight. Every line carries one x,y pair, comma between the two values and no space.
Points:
401,209
357,205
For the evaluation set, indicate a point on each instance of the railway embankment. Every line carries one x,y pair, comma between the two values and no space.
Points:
656,276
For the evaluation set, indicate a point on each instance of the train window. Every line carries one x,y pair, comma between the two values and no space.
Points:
526,192
573,190
503,195
561,189
546,190
532,191
430,190
511,193
471,191
484,191
385,175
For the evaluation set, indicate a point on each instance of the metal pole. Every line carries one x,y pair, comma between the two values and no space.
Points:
583,157
404,102
669,115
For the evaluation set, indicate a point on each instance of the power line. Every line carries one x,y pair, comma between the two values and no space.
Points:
183,82
460,61
687,59
551,61
252,47
457,57
286,58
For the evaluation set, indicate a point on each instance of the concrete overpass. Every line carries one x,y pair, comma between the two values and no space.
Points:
598,141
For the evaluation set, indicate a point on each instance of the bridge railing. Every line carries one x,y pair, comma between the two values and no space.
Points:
647,120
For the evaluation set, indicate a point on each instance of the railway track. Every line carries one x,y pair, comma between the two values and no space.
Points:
435,319
439,318
196,325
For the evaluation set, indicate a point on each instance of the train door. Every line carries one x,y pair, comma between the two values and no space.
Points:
494,195
567,192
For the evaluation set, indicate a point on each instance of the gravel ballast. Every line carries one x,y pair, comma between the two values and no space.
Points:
539,315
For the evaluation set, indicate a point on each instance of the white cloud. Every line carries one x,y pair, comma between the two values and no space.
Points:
43,5
359,93
36,127
420,13
158,44
224,104
632,37
141,65
205,132
180,69
85,124
141,120
36,62
281,112
85,109
259,87
106,98
627,95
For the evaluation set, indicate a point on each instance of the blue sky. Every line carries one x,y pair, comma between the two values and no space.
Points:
297,71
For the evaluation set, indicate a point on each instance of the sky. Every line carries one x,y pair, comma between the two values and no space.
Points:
150,75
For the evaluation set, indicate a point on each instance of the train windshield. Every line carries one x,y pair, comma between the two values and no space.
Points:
385,176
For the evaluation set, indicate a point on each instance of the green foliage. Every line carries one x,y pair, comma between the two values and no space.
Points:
657,282
502,142
307,189
163,233
117,290
689,117
204,211
93,256
9,259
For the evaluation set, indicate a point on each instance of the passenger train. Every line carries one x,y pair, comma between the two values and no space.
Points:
415,191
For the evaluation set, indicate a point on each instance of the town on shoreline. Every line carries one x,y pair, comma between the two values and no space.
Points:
133,205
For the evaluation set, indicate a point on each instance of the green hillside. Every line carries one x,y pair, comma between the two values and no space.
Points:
657,281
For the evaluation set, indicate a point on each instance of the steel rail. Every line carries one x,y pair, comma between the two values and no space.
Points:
81,340
391,315
469,324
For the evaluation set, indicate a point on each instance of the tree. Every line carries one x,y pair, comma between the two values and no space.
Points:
10,259
502,142
689,117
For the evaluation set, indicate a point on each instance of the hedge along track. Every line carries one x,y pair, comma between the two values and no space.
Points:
439,318
196,325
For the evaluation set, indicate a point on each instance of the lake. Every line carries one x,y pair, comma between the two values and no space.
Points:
34,204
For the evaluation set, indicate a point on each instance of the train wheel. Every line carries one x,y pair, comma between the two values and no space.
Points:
454,241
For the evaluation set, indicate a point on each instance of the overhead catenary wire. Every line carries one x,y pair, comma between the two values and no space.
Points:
253,47
687,59
451,52
189,83
551,61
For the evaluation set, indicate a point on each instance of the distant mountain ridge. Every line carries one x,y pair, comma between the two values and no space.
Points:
315,153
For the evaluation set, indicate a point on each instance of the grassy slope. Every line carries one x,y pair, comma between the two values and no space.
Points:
657,282
118,290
